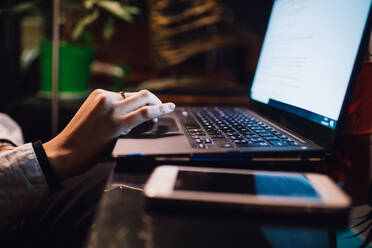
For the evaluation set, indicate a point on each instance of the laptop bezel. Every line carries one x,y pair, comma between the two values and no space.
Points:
323,136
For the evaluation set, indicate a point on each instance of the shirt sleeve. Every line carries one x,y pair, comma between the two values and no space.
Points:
10,131
22,184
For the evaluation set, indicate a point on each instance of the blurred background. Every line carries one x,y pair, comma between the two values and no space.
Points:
186,51
199,51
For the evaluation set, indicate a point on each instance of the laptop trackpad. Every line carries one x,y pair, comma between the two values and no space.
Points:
168,123
165,127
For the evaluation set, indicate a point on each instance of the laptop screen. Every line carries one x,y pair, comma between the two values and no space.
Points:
308,56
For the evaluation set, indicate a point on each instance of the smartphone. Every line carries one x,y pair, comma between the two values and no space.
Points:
249,190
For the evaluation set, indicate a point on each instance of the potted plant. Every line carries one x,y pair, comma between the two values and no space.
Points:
77,41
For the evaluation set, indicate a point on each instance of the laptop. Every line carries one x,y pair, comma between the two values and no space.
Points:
307,69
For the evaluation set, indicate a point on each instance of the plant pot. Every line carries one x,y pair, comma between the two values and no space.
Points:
74,70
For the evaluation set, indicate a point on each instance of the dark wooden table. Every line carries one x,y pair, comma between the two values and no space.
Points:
124,221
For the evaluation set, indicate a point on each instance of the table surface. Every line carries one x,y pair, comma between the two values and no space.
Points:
123,221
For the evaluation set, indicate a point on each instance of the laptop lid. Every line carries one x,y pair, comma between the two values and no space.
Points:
309,63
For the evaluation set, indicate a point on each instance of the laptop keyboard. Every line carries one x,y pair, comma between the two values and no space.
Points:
229,128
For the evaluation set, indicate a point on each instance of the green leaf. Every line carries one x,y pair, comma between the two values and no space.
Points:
109,29
83,23
116,9
23,7
88,4
133,10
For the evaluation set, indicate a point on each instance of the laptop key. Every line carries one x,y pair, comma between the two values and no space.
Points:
217,137
241,142
194,130
223,143
197,134
201,146
292,143
279,143
265,135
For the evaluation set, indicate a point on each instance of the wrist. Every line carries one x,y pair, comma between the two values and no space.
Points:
59,158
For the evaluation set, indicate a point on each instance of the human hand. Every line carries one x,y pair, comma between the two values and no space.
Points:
103,116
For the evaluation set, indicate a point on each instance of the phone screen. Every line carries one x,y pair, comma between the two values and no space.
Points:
256,184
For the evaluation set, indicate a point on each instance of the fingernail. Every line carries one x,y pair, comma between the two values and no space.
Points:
171,106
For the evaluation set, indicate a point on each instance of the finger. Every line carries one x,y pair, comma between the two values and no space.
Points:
126,94
129,94
138,100
146,113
